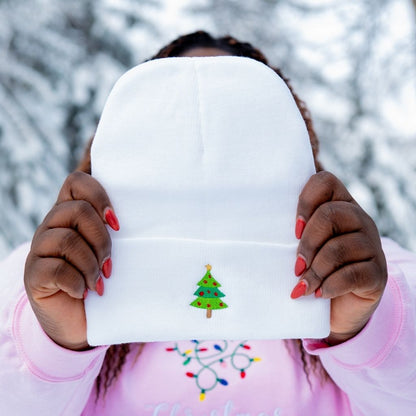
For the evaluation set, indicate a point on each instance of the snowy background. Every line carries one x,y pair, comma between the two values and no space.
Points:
352,62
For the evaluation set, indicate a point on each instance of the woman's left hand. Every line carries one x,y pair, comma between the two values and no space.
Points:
339,255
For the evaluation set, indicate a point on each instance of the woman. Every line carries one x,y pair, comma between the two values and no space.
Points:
365,366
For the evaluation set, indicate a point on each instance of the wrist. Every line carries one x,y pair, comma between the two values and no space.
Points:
338,338
81,346
63,337
66,342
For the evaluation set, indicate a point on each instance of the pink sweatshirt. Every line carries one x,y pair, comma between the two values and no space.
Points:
372,374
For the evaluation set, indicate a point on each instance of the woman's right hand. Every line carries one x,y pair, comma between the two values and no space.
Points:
70,251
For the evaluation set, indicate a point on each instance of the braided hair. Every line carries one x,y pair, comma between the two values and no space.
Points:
115,357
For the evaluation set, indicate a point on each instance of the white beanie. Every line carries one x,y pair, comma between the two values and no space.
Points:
203,160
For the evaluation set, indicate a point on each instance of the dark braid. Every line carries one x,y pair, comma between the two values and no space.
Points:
113,363
116,354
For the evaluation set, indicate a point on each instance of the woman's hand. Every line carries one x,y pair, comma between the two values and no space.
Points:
339,255
69,251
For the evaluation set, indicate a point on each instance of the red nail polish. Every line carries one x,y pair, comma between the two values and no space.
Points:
300,226
318,292
111,219
300,266
299,290
107,268
99,286
85,294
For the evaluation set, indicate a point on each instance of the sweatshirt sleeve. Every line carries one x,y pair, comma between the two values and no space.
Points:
36,375
377,368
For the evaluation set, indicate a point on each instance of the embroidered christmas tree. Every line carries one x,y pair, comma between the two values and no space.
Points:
209,295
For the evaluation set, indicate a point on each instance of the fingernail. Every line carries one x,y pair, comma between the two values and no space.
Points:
300,266
107,268
300,226
99,286
318,292
85,294
299,290
111,219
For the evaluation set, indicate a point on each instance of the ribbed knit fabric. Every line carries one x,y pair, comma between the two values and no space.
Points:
203,160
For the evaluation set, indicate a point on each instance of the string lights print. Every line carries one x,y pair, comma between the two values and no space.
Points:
209,295
212,358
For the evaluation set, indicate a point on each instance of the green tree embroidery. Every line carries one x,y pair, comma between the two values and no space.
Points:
209,295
